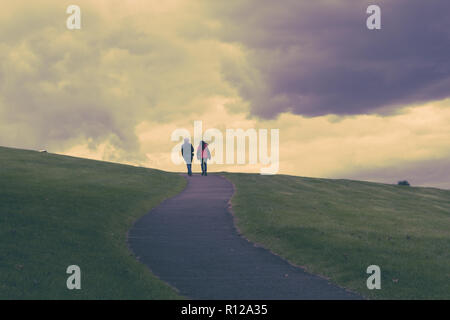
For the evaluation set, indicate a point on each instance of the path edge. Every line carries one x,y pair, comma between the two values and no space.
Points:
137,258
260,245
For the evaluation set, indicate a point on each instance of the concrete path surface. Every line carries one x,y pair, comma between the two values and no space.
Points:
190,242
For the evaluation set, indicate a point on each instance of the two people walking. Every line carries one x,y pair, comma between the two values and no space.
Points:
203,154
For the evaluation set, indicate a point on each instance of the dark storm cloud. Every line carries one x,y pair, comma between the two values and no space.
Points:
318,57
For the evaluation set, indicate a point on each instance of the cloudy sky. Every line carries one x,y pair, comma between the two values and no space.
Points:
349,102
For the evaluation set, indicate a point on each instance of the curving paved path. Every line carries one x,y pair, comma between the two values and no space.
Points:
190,242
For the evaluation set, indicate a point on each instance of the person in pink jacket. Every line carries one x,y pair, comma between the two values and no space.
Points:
203,155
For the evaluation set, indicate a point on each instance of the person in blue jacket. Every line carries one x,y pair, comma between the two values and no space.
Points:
187,151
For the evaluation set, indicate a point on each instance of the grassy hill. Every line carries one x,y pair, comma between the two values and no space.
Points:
56,211
338,228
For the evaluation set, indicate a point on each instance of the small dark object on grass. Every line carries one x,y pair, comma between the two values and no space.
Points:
403,183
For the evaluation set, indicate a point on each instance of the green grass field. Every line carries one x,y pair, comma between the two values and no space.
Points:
337,228
56,211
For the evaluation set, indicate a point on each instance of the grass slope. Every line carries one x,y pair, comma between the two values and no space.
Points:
56,211
338,228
